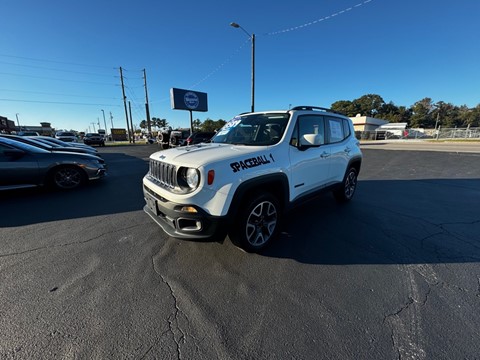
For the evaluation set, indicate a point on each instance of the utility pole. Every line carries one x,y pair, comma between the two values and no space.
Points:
111,131
105,122
125,104
93,126
131,121
147,109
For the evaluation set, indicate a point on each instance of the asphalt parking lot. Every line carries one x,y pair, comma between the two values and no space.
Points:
395,274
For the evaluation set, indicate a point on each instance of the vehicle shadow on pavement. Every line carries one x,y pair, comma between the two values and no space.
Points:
119,191
387,222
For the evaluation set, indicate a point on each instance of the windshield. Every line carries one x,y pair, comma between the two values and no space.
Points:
253,129
24,146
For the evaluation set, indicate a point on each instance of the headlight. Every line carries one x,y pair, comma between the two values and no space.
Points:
192,178
188,179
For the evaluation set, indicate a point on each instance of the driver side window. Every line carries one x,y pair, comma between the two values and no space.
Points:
309,131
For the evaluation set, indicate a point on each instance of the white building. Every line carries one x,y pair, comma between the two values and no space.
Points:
366,123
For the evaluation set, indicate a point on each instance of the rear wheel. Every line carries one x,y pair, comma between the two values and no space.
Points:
67,177
345,192
258,223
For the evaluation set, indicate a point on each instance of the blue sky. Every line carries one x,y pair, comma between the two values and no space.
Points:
60,59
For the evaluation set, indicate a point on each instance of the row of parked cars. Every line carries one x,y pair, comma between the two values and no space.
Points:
181,137
31,161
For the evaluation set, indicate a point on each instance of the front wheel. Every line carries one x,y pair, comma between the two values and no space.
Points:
67,177
346,190
258,223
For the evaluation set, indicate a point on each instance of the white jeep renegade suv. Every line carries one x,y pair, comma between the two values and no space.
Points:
257,167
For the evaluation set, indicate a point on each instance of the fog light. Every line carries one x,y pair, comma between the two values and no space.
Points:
188,209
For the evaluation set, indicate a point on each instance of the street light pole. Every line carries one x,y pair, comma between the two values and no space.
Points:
252,39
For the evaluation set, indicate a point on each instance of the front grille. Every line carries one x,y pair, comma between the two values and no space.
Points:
164,174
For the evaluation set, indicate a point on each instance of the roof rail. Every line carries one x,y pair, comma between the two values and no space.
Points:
303,107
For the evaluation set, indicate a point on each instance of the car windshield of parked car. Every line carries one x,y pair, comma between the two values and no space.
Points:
47,143
41,144
24,146
50,140
253,129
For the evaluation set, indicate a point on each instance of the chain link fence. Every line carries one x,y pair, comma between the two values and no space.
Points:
440,133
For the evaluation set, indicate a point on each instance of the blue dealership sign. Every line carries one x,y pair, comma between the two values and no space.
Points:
188,100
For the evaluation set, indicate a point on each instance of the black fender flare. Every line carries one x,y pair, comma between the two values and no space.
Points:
277,184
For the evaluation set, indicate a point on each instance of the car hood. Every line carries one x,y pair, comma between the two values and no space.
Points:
72,149
208,153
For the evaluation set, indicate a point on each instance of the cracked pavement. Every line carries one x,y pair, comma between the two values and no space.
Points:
395,274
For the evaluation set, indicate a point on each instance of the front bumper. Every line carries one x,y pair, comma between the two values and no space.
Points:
180,224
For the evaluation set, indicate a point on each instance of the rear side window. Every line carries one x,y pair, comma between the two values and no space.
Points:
338,129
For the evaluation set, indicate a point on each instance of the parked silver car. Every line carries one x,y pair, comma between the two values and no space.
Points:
55,141
23,166
48,146
66,136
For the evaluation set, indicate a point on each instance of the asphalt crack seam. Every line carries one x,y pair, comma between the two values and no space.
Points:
478,290
63,245
402,308
442,229
173,326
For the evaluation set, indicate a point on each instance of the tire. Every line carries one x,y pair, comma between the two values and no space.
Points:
349,184
258,223
67,177
162,137
174,141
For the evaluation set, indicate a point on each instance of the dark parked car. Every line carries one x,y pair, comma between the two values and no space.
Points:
94,139
23,165
199,137
46,146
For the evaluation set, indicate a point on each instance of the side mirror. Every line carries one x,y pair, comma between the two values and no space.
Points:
310,140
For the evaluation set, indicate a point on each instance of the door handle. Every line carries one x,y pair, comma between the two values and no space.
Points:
324,155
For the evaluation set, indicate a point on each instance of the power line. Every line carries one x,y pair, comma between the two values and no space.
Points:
319,20
55,102
48,78
57,62
58,94
341,12
53,69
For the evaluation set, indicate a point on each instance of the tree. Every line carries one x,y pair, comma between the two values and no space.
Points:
366,105
196,124
210,125
369,105
469,117
394,114
157,122
345,107
422,114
